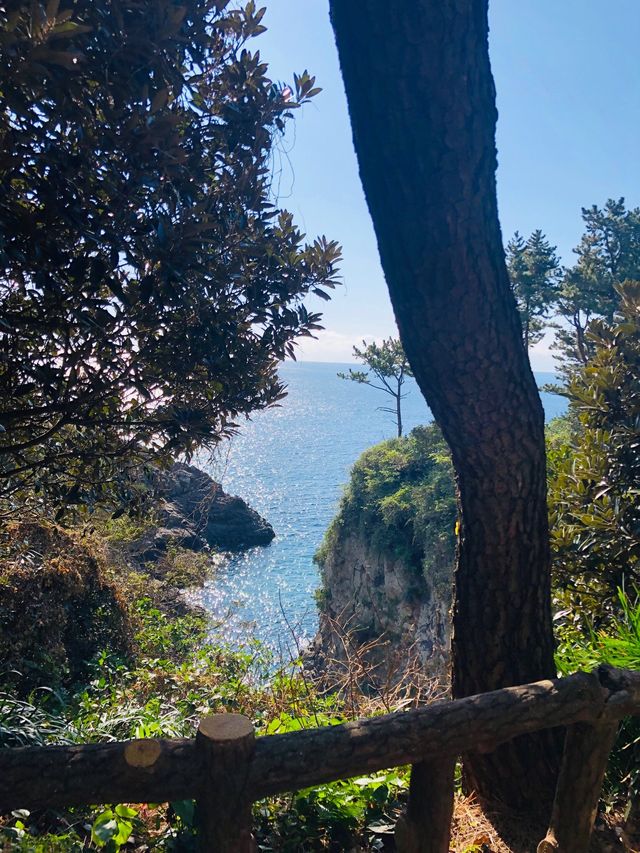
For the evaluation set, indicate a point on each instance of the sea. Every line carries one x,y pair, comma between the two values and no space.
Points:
291,464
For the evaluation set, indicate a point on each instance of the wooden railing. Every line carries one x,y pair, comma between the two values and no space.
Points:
226,769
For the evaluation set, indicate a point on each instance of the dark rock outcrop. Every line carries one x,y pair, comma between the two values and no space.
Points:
221,520
195,512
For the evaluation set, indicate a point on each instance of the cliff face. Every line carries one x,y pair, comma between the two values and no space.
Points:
387,560
372,596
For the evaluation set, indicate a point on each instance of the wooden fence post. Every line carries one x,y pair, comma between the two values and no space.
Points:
426,826
584,761
227,742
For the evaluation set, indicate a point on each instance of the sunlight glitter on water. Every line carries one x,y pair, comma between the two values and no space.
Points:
290,464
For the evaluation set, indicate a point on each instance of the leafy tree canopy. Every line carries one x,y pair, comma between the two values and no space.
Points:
607,255
148,284
595,484
387,370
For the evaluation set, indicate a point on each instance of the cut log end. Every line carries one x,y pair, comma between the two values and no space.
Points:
227,742
223,728
142,753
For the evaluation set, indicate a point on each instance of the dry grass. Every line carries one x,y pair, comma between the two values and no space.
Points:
59,605
368,677
475,832
369,680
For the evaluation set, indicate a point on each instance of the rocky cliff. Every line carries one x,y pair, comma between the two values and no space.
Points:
387,560
379,600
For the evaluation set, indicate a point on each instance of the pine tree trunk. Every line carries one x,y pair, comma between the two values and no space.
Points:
422,106
527,322
580,339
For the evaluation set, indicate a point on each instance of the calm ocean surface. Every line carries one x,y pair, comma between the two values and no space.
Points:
290,464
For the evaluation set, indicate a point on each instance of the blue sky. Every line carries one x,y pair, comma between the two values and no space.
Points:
568,80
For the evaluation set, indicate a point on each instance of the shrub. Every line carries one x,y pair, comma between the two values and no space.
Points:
618,644
58,606
594,495
401,499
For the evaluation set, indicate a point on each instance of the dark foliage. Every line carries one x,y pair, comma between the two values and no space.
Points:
607,255
58,607
533,273
148,284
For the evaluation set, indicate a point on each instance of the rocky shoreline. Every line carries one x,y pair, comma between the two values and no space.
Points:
194,512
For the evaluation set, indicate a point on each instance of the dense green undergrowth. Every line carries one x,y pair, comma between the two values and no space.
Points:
617,644
180,675
594,487
173,670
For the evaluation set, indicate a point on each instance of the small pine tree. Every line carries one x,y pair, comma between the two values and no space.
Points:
607,255
388,364
534,270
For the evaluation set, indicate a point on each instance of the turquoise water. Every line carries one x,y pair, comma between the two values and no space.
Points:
290,464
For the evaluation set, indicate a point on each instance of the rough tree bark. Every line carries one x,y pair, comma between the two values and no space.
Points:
422,106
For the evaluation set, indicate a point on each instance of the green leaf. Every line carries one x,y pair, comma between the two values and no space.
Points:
105,828
125,811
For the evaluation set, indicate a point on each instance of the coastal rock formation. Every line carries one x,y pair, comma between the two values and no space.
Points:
222,520
387,563
379,602
195,512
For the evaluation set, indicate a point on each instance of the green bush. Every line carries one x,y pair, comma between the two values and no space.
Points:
594,494
180,672
617,645
401,499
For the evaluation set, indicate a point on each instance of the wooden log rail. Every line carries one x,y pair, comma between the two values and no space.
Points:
225,769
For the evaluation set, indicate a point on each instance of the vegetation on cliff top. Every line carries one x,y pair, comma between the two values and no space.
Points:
401,500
